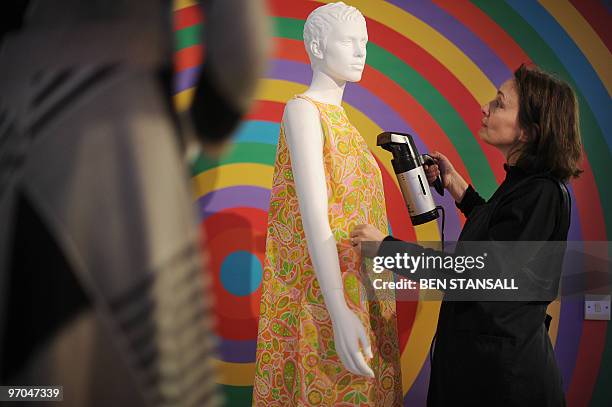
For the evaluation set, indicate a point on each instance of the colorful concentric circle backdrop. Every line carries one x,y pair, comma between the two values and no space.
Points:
431,64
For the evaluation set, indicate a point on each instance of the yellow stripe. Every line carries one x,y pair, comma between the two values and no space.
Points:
451,57
417,347
231,175
182,100
235,374
281,91
584,36
179,4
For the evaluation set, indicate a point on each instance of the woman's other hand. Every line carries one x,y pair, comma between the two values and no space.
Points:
366,233
451,180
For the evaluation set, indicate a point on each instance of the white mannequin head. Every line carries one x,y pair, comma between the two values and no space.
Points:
335,37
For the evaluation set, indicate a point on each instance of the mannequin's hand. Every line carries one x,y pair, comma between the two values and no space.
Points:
366,233
348,334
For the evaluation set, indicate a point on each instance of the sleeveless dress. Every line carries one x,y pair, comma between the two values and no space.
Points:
296,362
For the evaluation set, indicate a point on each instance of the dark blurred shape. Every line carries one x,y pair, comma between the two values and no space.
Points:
12,16
101,282
237,45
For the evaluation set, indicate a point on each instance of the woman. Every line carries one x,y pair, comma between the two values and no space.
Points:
499,353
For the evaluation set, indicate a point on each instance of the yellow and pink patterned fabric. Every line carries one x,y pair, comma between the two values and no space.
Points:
296,362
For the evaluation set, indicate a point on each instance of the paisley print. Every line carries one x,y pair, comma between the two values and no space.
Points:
296,362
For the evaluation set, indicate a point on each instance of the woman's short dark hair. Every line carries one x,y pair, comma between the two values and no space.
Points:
548,114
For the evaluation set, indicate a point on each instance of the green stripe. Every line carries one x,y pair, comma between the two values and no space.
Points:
594,144
292,28
187,37
258,153
427,96
237,396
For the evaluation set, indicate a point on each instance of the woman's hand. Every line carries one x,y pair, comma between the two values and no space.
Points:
451,180
367,233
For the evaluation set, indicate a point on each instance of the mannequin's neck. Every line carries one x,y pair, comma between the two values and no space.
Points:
326,89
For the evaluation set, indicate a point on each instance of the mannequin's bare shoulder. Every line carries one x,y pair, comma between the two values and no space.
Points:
301,116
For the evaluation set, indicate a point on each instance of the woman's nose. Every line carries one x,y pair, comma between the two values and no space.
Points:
485,109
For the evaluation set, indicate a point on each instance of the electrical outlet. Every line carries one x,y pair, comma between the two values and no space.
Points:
597,307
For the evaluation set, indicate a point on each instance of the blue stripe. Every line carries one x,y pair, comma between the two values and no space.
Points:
255,131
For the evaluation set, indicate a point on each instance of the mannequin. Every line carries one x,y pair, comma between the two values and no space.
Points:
335,38
341,59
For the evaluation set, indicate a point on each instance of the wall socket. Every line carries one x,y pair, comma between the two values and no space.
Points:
597,307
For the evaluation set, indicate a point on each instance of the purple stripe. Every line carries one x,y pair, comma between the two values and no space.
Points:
464,39
570,317
417,394
186,79
236,351
375,109
232,197
568,337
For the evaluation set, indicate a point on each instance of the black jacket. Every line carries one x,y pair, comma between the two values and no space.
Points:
499,353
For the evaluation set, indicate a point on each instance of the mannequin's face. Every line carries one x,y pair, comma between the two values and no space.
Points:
345,51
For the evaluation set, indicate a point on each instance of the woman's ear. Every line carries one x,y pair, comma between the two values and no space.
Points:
523,138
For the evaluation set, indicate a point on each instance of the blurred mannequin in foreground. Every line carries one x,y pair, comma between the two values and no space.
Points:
101,283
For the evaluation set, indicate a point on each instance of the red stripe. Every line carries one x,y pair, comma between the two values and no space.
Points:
598,17
590,211
294,9
266,111
588,360
188,58
186,17
293,50
239,217
487,31
236,329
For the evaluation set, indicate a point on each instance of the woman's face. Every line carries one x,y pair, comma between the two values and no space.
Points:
499,126
345,51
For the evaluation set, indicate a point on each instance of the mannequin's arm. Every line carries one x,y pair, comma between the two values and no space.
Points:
305,141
